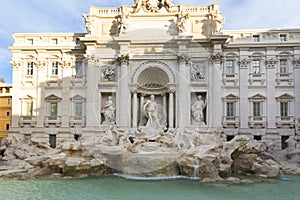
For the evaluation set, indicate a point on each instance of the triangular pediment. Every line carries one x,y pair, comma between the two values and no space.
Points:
231,97
77,98
285,96
52,97
27,97
258,97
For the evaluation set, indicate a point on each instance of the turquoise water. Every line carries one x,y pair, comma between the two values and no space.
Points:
111,187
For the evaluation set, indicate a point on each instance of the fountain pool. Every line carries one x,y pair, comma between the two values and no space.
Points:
112,187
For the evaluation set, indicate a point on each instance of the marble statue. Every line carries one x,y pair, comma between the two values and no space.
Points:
182,20
152,5
218,21
123,23
109,112
109,138
197,111
88,23
151,112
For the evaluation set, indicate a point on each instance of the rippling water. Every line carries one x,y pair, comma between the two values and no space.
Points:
112,187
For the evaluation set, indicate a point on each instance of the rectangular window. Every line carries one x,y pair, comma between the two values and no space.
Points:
30,66
55,66
52,141
284,109
256,109
78,42
78,109
30,41
230,109
7,113
229,67
78,68
283,37
283,66
256,38
7,127
28,111
53,109
8,101
54,41
256,66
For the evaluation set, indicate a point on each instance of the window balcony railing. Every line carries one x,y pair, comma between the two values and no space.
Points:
257,77
78,79
31,120
284,77
285,122
77,121
56,120
231,121
230,78
257,122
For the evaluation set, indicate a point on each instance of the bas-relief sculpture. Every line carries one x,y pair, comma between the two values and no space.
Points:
108,73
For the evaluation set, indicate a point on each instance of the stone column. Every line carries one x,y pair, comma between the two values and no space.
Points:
141,109
271,105
183,92
215,117
164,105
91,73
296,72
40,106
171,109
124,95
134,110
244,102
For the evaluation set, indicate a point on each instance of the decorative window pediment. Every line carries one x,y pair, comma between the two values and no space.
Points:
26,98
77,98
52,97
257,97
285,97
231,97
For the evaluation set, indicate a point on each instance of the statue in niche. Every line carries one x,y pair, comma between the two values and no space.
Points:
155,120
197,111
182,20
108,112
218,21
108,73
123,23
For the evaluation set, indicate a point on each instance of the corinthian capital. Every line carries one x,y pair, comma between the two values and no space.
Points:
217,58
244,63
271,62
123,60
183,59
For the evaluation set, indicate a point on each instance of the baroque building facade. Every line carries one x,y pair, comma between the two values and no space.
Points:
160,65
5,108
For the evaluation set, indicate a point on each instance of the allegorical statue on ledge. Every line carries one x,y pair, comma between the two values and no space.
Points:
197,111
152,5
108,112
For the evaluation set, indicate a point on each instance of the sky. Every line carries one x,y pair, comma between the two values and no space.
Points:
44,16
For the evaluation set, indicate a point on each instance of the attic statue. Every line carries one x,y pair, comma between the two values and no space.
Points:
152,5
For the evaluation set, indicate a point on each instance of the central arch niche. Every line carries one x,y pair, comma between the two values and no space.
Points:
153,78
